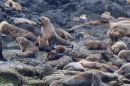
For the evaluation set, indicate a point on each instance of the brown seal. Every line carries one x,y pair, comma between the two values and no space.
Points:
125,55
108,68
64,34
118,46
42,43
125,69
118,30
28,48
48,29
15,32
57,53
13,5
24,21
84,79
89,64
96,45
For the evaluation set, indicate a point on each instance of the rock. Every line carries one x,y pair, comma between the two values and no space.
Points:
9,84
60,63
116,10
35,83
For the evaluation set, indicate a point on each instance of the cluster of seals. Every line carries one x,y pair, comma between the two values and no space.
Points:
15,32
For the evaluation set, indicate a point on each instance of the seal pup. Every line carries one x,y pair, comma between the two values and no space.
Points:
57,53
42,43
27,47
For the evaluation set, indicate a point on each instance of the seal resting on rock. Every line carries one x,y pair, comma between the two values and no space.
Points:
13,5
15,32
48,29
125,55
118,46
24,21
84,79
119,30
57,53
64,34
28,48
125,69
89,64
96,45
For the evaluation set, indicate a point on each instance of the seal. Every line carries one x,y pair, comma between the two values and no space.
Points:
28,48
13,5
125,55
108,68
57,53
42,43
48,29
84,79
118,46
89,64
24,21
15,32
125,69
107,15
64,34
118,30
96,45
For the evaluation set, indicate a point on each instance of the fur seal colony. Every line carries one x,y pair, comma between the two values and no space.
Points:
82,62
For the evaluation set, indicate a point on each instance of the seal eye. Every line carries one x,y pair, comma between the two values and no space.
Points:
10,4
19,40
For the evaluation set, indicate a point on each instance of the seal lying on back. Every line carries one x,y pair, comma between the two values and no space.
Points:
28,48
15,32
